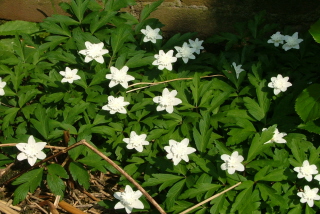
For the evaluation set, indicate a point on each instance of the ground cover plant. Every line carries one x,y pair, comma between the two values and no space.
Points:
183,122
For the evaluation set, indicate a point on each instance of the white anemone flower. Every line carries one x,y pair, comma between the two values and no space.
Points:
185,52
167,100
291,42
232,163
129,199
196,44
136,141
317,177
306,170
309,195
279,84
31,151
94,52
69,75
164,60
277,137
151,34
119,77
178,151
116,105
237,69
276,39
2,85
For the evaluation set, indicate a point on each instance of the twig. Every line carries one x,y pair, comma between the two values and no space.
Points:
209,199
157,83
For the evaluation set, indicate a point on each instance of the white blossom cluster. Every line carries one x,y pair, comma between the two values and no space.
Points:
290,41
307,171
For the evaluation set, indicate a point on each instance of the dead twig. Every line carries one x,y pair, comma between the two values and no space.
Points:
157,83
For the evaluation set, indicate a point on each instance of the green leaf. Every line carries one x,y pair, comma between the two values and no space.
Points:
218,100
266,175
218,204
30,181
80,174
104,130
55,184
267,192
57,169
315,31
79,7
71,116
308,103
18,27
57,18
101,20
55,28
199,189
311,126
42,122
254,109
173,193
164,179
94,161
242,197
139,60
149,9
257,145
119,36
195,88
26,97
10,115
297,152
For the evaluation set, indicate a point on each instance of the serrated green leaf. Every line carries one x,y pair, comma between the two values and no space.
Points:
139,60
199,189
271,194
104,130
30,181
18,27
119,36
57,169
94,161
79,7
242,197
26,97
164,179
55,184
173,193
308,103
101,20
80,174
71,116
254,109
10,115
149,9
311,126
218,204
42,122
20,193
